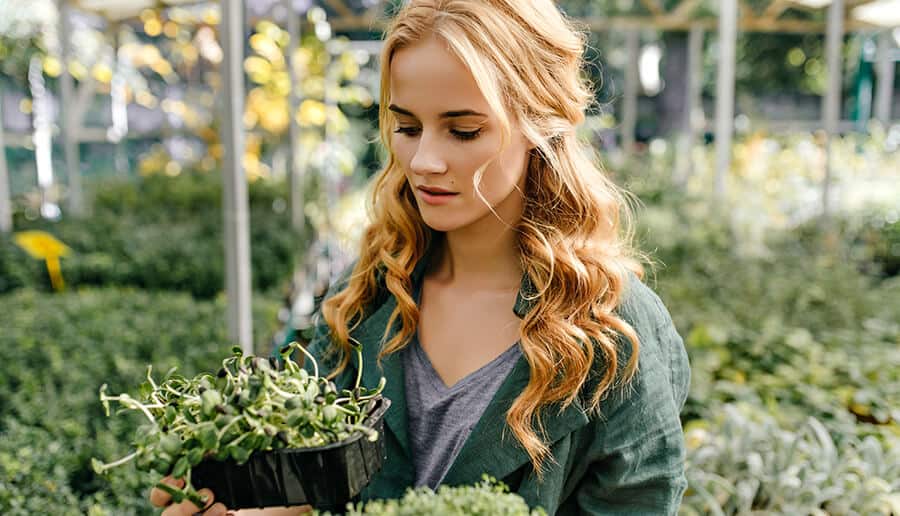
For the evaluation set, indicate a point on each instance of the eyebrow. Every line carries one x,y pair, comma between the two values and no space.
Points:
445,114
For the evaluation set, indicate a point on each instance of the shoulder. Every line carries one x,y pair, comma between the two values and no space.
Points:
663,366
640,306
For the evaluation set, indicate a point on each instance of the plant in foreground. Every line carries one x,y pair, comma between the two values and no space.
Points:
486,498
249,405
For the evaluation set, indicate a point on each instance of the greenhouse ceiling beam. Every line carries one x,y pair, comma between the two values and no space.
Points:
121,10
654,7
775,9
744,24
340,7
670,23
234,180
682,11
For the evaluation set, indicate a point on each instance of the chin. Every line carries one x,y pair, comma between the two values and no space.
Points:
443,224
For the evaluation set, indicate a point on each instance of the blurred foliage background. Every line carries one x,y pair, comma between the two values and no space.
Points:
792,323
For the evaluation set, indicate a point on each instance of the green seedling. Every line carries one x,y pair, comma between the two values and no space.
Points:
250,405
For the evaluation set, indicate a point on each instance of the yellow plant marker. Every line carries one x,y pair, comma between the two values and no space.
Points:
44,246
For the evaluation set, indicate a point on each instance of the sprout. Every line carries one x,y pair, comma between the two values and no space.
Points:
249,406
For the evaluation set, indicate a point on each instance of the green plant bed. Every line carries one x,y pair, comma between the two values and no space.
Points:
187,255
795,358
57,349
797,325
160,233
742,461
810,337
17,269
158,196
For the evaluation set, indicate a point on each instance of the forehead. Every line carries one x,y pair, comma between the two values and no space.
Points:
428,79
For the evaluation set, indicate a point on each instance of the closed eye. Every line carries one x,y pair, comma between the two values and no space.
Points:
466,135
460,135
409,131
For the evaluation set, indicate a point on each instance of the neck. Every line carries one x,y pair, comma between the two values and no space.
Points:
483,255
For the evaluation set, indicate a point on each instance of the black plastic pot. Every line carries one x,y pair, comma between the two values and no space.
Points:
326,477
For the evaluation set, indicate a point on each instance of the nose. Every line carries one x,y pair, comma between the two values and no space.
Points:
427,158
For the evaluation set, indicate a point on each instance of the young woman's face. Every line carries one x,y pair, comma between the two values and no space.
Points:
444,132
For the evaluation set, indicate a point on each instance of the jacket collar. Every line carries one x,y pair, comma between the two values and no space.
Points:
490,448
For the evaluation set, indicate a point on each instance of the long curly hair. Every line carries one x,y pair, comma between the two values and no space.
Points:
574,237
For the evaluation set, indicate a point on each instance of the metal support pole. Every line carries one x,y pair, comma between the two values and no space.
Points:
69,123
118,104
236,210
728,15
884,88
42,137
693,106
629,102
295,168
831,106
5,197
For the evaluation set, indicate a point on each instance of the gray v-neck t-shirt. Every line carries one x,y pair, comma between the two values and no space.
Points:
440,418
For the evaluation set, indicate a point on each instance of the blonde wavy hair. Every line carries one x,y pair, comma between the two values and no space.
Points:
573,237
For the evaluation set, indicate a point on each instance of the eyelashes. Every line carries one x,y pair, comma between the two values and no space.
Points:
460,135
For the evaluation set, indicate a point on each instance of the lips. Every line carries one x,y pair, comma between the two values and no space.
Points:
436,190
435,196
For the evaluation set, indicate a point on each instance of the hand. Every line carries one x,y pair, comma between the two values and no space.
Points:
160,498
275,511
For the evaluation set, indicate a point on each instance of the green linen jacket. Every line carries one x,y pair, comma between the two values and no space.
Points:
626,459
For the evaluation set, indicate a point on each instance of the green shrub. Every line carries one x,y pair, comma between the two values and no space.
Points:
186,255
56,351
189,194
17,269
487,498
161,234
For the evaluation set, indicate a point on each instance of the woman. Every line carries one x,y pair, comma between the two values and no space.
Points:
496,289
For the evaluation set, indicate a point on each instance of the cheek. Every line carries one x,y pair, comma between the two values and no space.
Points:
503,174
402,152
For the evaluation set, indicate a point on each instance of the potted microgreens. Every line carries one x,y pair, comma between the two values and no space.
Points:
259,433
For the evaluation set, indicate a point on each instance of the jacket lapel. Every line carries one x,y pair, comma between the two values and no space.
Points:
371,336
491,446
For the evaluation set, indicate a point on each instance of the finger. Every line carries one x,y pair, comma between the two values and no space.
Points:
275,511
186,508
217,509
160,498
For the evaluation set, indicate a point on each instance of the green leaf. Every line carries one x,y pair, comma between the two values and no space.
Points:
181,468
240,454
210,400
98,467
195,456
170,444
208,437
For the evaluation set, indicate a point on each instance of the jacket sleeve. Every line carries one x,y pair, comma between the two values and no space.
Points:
637,455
